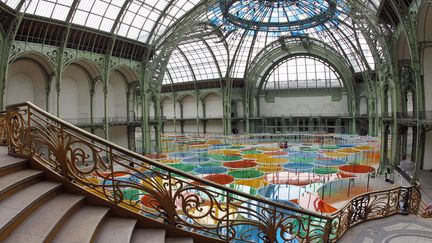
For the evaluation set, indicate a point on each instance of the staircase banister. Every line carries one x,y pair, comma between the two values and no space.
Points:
164,167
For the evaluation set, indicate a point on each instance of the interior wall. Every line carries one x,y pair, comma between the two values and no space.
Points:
100,133
151,110
169,127
427,72
214,126
98,108
25,82
190,126
74,94
189,107
116,99
315,105
213,106
363,106
427,162
240,112
118,135
168,108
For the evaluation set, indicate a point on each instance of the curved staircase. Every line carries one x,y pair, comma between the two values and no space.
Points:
35,209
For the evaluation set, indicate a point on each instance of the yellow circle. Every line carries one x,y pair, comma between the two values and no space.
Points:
256,156
255,183
272,161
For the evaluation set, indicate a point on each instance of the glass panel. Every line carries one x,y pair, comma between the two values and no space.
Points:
55,9
302,72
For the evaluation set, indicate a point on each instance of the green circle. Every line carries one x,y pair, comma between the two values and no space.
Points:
236,147
231,158
183,167
224,158
329,147
245,174
212,163
252,151
132,194
308,149
325,170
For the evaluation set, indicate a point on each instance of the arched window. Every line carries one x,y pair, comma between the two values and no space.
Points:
302,72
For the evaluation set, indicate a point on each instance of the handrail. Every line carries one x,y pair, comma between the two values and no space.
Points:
373,205
3,131
175,196
154,163
185,201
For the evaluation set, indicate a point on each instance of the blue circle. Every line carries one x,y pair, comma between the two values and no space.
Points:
281,193
298,167
210,170
330,163
346,145
181,154
196,160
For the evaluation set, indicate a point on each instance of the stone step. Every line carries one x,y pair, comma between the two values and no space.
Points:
15,181
116,230
148,236
9,164
44,222
15,208
82,226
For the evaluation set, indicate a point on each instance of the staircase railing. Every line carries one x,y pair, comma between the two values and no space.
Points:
169,195
374,205
3,131
153,189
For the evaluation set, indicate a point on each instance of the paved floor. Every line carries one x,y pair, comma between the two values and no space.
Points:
394,229
425,179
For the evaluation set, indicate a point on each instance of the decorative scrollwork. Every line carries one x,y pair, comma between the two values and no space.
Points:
176,198
14,52
3,130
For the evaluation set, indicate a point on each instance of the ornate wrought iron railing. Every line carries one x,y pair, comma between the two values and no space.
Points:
174,197
373,205
3,131
155,190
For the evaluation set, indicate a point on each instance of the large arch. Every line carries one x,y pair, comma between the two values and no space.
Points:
424,36
75,99
28,79
285,48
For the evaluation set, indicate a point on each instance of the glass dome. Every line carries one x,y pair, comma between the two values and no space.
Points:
282,15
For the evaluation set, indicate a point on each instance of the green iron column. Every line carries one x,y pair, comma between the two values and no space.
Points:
419,152
175,112
204,120
158,130
226,102
404,141
338,125
181,117
197,118
414,143
145,124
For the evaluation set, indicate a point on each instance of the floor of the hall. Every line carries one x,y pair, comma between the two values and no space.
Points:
425,179
394,229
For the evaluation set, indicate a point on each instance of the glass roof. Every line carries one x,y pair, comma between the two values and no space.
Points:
278,15
338,32
202,59
302,72
137,21
241,23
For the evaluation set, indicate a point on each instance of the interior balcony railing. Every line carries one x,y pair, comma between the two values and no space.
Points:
421,115
187,202
115,120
